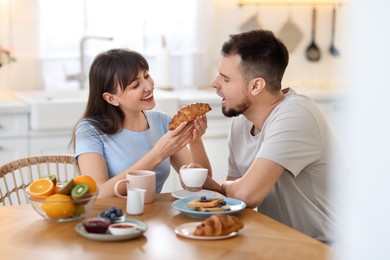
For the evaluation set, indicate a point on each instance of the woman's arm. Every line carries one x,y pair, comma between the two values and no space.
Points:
94,164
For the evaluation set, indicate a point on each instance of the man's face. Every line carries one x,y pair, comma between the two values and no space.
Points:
231,86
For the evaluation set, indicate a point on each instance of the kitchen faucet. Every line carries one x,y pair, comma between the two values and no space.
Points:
81,76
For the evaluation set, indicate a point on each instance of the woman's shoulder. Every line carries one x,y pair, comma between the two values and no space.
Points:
85,122
85,125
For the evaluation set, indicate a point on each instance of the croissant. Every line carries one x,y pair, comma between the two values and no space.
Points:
218,225
188,113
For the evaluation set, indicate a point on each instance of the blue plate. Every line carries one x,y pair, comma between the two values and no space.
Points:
181,205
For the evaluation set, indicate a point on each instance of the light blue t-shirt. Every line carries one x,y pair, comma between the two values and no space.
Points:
123,149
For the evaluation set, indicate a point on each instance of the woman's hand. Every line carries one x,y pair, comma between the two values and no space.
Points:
174,140
200,126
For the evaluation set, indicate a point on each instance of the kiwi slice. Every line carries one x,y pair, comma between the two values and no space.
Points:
79,191
53,178
79,210
67,188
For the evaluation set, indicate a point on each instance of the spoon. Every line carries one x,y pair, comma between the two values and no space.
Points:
313,53
332,49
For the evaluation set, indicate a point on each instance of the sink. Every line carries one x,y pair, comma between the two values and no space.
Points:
52,110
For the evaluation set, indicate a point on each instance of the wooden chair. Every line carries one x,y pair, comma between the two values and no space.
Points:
15,176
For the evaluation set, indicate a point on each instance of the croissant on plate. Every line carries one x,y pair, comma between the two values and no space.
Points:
188,113
218,225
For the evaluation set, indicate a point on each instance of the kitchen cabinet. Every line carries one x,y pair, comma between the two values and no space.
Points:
50,142
334,110
13,136
13,148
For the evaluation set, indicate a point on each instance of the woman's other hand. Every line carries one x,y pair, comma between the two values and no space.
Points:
200,126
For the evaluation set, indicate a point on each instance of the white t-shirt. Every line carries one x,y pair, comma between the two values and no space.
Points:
295,135
123,149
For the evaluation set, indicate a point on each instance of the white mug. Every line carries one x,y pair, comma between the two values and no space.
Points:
135,201
193,179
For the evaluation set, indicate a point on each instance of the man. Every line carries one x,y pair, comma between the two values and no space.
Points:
281,151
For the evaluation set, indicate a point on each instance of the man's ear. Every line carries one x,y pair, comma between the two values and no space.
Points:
257,85
110,98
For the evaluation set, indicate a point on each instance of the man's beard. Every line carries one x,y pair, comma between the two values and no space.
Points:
232,112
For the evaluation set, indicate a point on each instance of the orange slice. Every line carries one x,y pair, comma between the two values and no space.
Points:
41,188
85,179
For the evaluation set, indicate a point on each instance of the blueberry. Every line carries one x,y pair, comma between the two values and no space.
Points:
111,210
203,198
223,202
119,212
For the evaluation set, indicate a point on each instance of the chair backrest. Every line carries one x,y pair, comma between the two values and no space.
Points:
15,176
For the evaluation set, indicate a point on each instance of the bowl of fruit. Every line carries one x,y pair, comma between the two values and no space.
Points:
62,202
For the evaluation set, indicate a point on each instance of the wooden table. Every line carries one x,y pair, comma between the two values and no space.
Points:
25,235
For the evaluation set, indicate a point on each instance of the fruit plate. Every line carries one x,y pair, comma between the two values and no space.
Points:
187,230
108,237
181,205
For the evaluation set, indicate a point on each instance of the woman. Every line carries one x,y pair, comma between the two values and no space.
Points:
119,133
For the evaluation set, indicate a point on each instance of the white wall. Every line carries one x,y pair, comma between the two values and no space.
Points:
364,193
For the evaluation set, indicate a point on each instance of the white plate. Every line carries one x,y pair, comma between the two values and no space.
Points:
142,227
181,194
187,230
181,205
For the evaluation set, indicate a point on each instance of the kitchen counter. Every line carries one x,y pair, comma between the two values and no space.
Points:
9,104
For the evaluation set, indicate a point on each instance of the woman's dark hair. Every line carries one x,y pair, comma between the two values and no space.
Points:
110,70
262,55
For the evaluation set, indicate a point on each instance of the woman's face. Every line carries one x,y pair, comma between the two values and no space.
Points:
138,95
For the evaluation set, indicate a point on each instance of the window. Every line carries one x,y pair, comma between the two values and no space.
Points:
137,25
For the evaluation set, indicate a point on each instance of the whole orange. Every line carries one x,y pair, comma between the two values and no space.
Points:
85,179
59,206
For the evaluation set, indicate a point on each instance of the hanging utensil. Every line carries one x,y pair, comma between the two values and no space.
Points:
313,53
332,49
250,24
290,34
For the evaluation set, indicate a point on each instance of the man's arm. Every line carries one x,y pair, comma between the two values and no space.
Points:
255,185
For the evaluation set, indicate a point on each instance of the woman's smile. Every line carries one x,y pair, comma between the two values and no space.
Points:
148,97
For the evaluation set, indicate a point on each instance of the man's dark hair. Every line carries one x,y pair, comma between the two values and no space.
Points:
262,55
